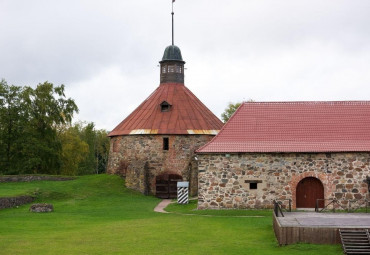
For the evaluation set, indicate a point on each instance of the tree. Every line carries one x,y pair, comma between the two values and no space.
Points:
74,150
89,158
37,137
98,142
28,121
47,108
229,111
12,121
101,150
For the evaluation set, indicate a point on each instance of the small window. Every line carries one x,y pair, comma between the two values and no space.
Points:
178,69
165,107
253,185
171,69
165,143
164,69
115,145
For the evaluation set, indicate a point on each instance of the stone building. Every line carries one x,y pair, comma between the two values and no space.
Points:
154,146
301,151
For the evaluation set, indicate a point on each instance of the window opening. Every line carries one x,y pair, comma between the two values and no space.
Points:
165,143
115,145
253,185
178,69
164,69
165,107
171,69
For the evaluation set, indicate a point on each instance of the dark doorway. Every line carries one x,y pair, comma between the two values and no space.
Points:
166,185
308,190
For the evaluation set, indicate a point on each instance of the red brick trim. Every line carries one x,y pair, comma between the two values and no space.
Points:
326,180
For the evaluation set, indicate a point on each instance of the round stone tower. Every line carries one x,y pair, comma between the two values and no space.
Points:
154,146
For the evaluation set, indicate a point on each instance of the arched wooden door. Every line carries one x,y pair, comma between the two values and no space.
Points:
308,190
166,185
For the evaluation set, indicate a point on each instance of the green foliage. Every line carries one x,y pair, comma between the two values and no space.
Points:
229,111
85,149
47,108
12,119
98,215
36,135
88,134
27,127
74,150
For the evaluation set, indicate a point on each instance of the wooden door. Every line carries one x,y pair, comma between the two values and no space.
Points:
166,185
308,190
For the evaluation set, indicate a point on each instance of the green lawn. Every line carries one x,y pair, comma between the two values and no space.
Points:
98,215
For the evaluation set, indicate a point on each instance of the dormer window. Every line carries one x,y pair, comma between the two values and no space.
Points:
165,107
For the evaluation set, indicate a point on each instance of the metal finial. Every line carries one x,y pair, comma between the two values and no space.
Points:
172,23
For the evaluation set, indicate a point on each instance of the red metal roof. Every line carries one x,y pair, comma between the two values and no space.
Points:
295,127
188,115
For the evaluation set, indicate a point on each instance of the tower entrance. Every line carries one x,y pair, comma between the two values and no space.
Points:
166,185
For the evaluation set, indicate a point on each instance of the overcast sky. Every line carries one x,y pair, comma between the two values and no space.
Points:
106,52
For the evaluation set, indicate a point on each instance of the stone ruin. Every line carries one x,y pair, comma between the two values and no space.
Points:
41,208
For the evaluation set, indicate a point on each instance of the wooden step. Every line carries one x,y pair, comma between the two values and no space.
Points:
355,241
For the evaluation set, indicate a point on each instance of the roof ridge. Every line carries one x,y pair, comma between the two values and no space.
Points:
365,102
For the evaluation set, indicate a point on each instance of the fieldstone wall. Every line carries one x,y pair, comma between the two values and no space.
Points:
30,178
9,202
224,179
140,158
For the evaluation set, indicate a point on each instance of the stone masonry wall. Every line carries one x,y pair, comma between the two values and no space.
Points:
223,179
9,202
30,178
132,155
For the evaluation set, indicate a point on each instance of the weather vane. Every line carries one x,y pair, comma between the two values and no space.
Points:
172,22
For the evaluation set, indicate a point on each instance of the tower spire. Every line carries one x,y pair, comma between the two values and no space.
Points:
172,65
172,23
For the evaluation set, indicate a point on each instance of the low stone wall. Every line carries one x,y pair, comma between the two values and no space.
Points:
30,178
9,202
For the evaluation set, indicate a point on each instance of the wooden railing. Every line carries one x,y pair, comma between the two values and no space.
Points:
335,204
278,207
359,205
332,202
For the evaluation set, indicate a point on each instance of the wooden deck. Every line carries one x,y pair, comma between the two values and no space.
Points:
319,228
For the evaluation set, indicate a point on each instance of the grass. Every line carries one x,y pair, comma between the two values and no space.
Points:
191,209
98,215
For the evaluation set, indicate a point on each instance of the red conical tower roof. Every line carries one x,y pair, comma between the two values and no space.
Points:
171,109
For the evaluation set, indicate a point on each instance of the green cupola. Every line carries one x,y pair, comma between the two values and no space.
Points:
172,65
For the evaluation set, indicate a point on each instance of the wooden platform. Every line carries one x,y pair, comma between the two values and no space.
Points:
319,228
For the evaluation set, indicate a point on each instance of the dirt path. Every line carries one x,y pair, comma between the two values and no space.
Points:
163,204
